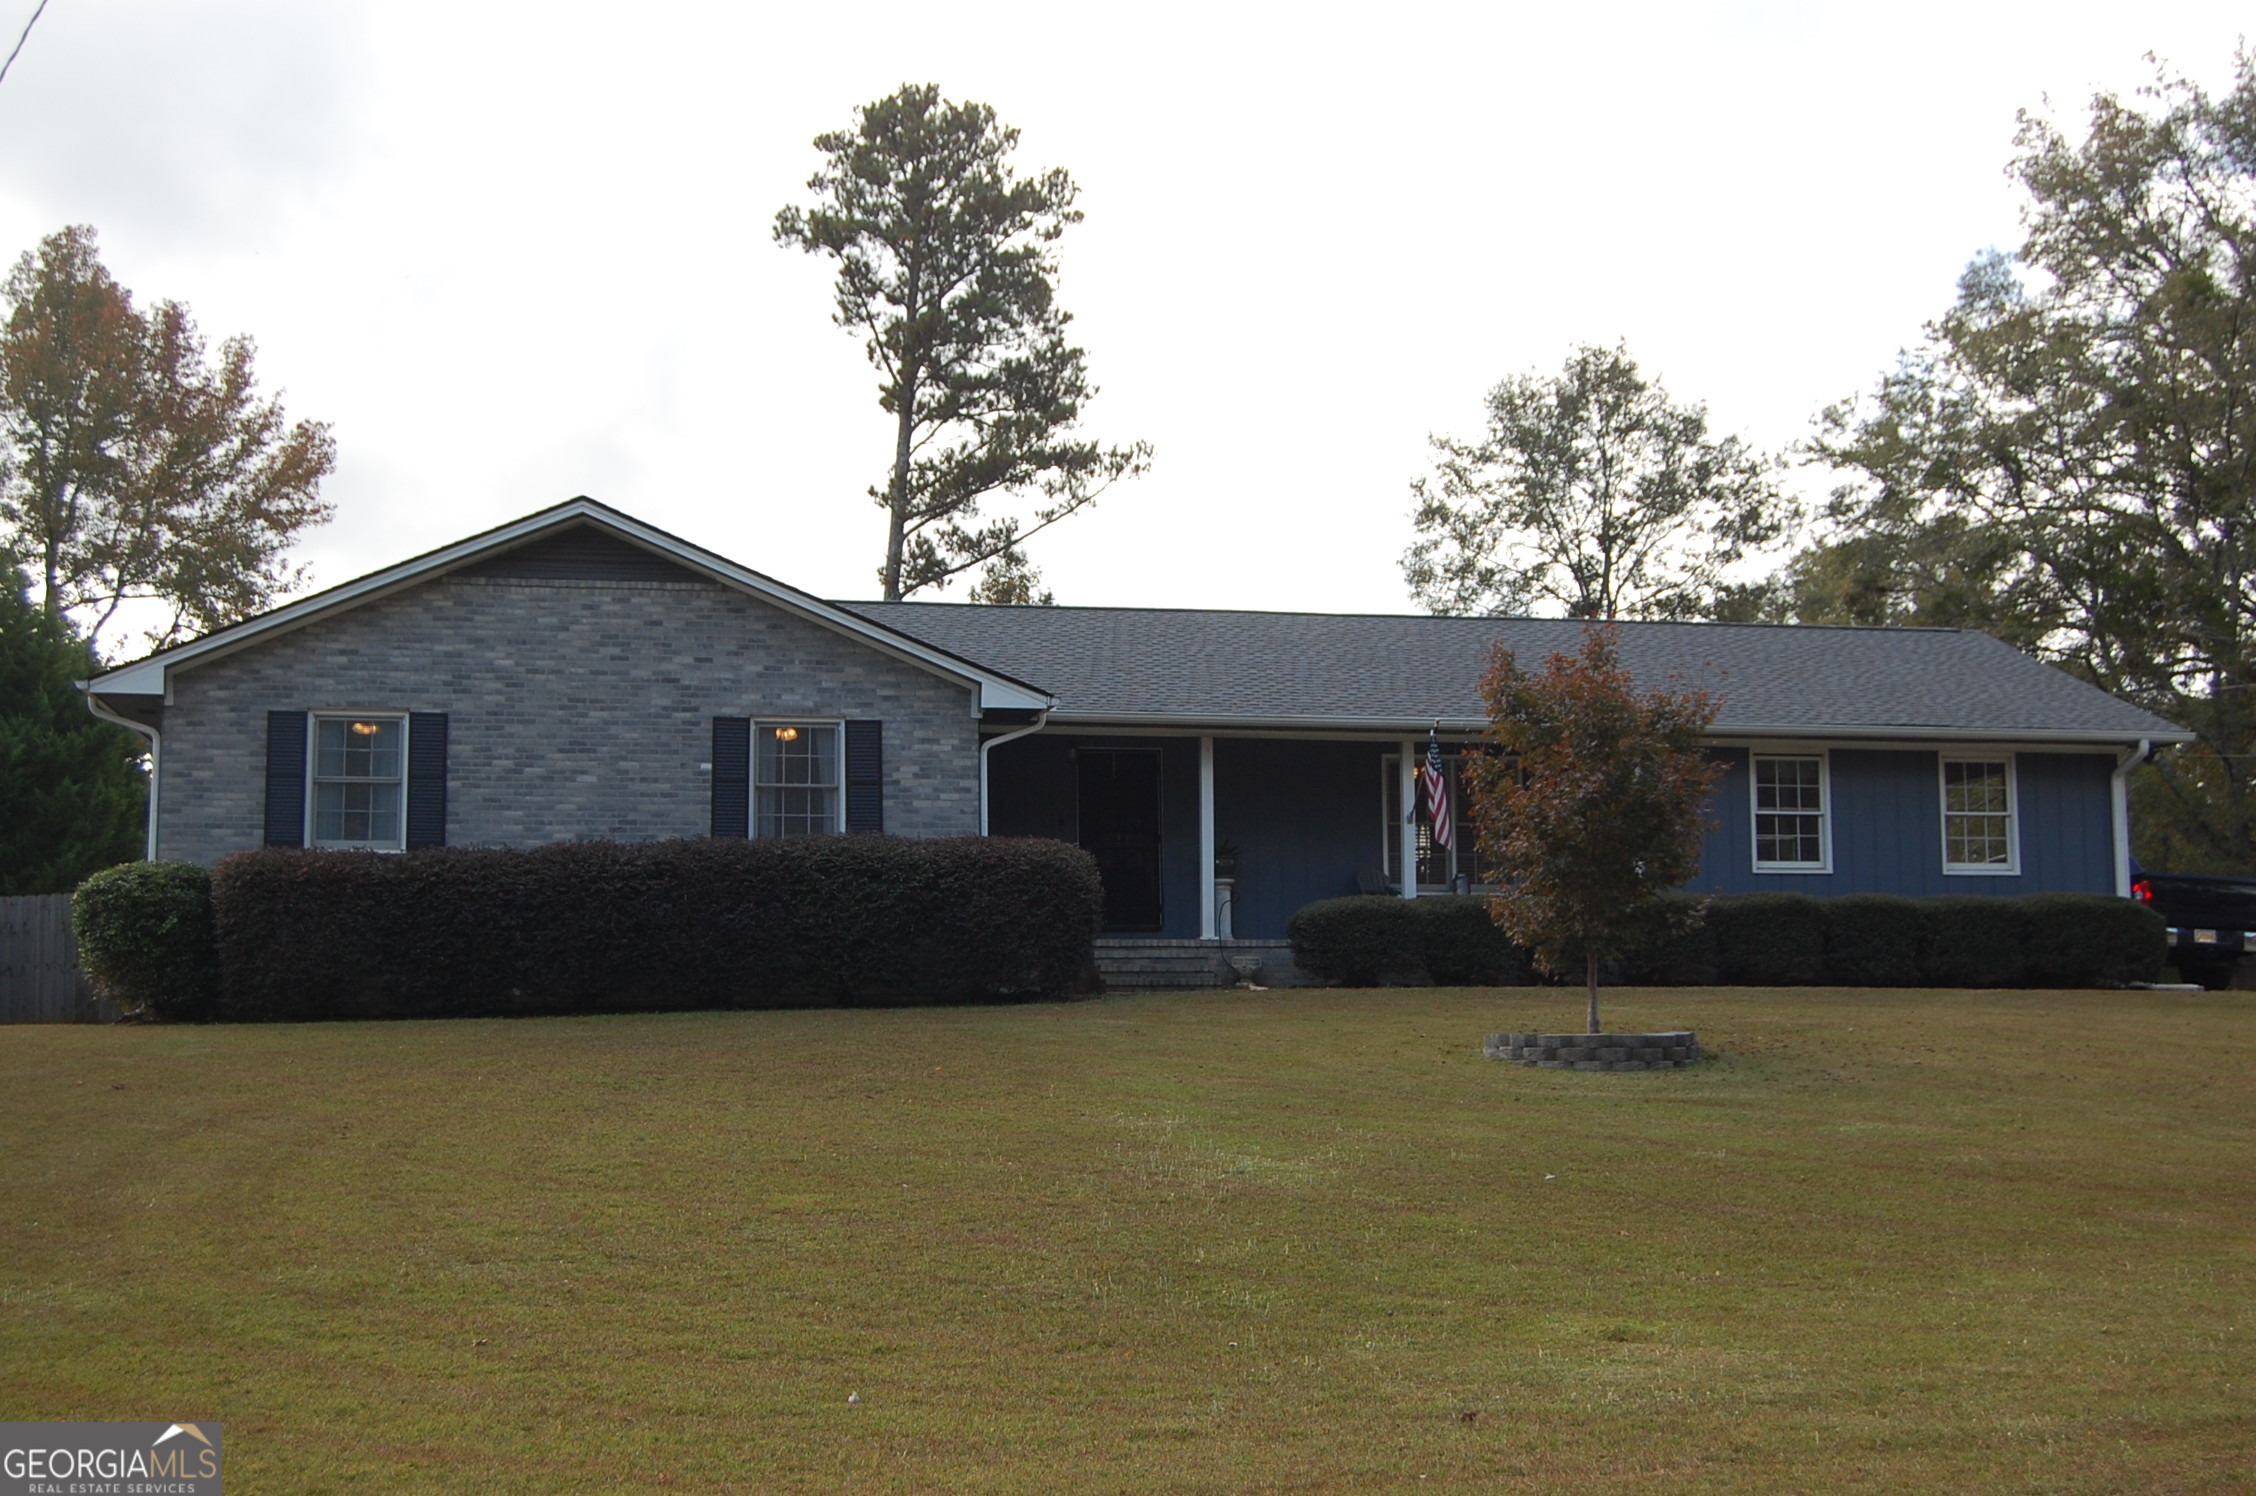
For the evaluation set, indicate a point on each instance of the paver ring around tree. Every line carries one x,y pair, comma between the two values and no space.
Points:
1670,1051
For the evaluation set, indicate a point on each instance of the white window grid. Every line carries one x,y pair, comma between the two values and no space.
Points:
798,777
356,780
1782,816
1980,810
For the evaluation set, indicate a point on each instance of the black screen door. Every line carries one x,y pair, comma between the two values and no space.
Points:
1120,828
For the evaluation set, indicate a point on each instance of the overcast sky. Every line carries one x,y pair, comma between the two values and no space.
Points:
514,253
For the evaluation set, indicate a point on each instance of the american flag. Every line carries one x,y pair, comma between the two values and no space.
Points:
1437,790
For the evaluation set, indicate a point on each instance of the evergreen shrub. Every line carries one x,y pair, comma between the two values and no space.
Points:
1769,939
1975,940
1374,940
608,926
2092,940
144,932
1872,940
1675,945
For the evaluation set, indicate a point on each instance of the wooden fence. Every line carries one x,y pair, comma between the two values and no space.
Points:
39,977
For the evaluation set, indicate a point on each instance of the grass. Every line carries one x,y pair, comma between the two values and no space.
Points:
1309,1242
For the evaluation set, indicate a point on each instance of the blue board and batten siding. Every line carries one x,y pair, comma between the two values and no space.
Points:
1887,828
1306,816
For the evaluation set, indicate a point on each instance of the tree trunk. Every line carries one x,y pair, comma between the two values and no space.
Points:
1591,960
897,507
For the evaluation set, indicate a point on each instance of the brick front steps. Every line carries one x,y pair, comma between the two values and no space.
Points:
1147,964
1597,1051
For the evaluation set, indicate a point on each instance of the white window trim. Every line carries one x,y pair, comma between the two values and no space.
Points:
312,775
1824,863
2011,867
838,767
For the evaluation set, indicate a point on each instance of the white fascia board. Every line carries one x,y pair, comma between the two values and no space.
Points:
148,677
1736,735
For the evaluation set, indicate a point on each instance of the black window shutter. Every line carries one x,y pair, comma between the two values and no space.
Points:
426,779
732,776
285,779
865,776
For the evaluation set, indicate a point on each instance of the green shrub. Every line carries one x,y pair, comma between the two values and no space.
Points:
1975,940
2092,940
1769,939
1675,945
145,936
1462,946
1872,940
1372,940
606,926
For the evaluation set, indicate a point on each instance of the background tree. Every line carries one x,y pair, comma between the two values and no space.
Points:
2069,459
945,265
73,790
1595,799
136,469
1591,492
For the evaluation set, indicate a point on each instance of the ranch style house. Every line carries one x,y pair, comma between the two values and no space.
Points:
578,673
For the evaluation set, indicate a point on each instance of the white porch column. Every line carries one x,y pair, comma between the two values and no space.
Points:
1206,839
1407,772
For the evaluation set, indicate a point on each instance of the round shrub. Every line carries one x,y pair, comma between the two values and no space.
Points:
1364,940
1375,940
1461,946
145,936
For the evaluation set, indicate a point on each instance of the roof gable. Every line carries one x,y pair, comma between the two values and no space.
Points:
579,536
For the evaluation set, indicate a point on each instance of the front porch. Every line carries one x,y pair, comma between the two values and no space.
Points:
1202,838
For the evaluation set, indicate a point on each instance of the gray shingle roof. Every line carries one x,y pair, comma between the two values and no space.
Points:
1126,664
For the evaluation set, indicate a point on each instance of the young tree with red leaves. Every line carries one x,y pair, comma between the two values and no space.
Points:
1595,800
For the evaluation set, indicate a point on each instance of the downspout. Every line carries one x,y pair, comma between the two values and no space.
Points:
2119,801
988,744
156,743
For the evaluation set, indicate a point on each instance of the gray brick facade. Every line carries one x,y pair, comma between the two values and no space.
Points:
577,708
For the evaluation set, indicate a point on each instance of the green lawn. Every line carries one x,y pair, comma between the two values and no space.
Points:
1881,1242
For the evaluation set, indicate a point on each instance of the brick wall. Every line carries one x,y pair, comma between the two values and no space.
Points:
577,708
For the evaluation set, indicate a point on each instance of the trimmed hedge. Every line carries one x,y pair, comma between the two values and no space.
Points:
1768,939
1373,940
1873,940
1879,940
1676,946
609,927
144,934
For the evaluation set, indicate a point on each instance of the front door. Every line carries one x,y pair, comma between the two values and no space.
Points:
1120,828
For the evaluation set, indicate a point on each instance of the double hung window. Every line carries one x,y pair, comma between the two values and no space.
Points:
1791,813
359,781
795,779
1978,834
1438,867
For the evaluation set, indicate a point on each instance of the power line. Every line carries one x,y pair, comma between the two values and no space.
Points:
11,62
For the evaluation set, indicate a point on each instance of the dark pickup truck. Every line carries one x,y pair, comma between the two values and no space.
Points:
2212,923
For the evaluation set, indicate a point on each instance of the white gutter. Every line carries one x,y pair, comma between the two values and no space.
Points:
1391,728
156,744
2119,796
986,744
